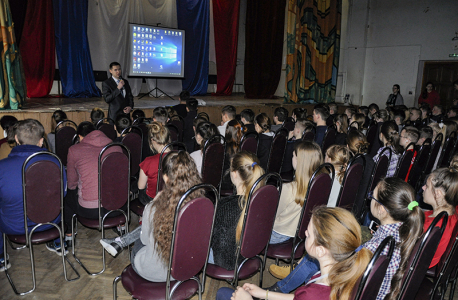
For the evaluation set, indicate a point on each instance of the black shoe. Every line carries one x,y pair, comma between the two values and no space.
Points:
274,288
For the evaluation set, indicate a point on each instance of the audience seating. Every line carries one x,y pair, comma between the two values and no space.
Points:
435,148
258,221
329,138
277,151
353,125
132,138
203,115
174,132
309,133
368,285
192,230
419,163
447,151
289,124
350,183
441,273
371,135
43,198
249,142
421,257
318,191
179,124
213,161
142,123
107,128
404,162
114,192
64,138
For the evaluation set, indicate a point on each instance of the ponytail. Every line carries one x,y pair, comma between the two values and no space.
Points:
357,142
398,197
390,132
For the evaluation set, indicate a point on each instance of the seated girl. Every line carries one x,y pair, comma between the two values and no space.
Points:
341,122
159,137
307,157
390,138
245,170
262,127
204,132
400,216
338,156
441,192
333,240
151,252
234,132
57,117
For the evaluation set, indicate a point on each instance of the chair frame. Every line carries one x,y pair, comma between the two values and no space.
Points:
279,132
238,266
350,164
369,131
136,122
210,141
137,130
247,135
102,121
402,158
29,235
75,136
428,143
451,140
431,160
170,291
102,218
328,129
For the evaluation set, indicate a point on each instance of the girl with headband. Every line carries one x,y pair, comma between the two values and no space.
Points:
244,172
333,239
392,202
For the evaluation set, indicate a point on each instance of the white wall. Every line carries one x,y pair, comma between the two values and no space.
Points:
385,42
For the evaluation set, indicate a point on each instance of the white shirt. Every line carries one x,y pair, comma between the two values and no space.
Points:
222,129
123,90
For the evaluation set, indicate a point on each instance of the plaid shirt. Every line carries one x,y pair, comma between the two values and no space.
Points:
393,162
382,232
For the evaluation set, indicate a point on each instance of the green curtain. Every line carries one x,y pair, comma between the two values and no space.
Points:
312,50
12,81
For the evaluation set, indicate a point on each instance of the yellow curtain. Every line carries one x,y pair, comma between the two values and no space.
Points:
312,50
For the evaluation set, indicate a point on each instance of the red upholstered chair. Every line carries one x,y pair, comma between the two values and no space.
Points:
371,135
419,163
142,123
64,138
435,148
114,191
447,151
277,151
107,128
318,191
249,142
368,285
213,160
43,203
421,257
329,138
258,221
381,167
353,125
442,273
204,115
193,226
136,206
309,133
404,162
179,124
289,124
133,140
174,132
350,182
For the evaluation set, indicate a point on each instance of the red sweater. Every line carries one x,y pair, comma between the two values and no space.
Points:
432,99
451,222
150,167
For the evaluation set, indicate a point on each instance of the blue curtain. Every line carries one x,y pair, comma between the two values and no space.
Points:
194,17
72,47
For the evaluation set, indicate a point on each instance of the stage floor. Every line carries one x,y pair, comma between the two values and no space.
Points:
87,104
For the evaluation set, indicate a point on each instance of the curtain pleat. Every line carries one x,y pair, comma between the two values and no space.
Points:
193,16
72,47
313,50
38,48
226,26
12,81
263,47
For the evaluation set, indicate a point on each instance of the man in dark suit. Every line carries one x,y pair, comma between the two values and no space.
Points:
117,93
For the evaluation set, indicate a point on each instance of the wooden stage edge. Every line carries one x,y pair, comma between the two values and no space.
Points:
79,109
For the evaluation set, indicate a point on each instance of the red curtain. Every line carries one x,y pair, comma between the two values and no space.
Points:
38,48
226,28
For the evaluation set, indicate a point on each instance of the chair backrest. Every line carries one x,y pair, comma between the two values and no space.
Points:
174,132
176,146
371,135
42,195
141,120
435,148
133,140
114,177
289,124
420,162
204,115
318,191
421,257
213,160
309,133
179,124
108,130
353,125
192,230
64,138
261,208
404,163
370,282
380,168
329,138
277,152
350,182
249,142
447,151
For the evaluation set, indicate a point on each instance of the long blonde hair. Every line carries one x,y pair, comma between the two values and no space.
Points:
248,167
340,156
309,158
337,230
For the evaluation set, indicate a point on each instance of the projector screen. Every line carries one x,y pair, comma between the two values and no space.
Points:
156,51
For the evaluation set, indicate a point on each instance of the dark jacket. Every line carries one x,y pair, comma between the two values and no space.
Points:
113,96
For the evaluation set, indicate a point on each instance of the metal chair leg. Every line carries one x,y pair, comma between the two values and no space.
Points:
115,287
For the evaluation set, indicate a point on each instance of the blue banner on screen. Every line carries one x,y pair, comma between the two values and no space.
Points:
156,51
